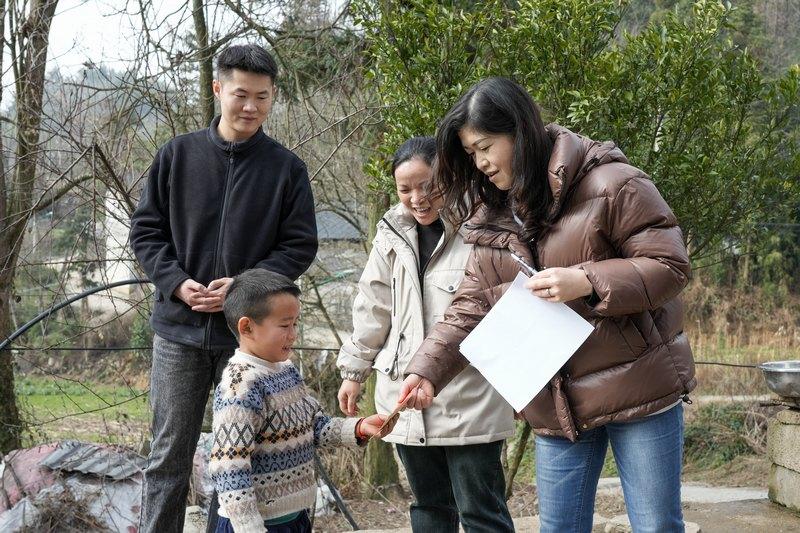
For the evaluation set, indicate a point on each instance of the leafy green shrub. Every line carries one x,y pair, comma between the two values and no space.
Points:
681,98
719,433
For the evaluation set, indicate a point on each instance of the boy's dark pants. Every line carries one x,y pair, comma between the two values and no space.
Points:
180,379
301,524
457,482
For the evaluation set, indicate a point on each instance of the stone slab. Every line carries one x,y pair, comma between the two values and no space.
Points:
784,487
195,521
788,416
783,443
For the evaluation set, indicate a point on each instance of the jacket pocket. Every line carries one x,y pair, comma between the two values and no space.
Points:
170,309
447,280
387,361
631,335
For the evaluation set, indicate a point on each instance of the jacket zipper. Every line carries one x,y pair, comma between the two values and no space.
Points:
416,259
394,297
396,232
435,253
217,247
394,370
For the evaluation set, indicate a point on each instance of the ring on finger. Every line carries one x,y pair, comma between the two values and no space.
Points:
549,294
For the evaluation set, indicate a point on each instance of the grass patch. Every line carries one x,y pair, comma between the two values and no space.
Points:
719,433
56,408
715,434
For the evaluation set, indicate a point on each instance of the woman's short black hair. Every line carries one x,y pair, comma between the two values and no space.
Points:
248,58
251,293
423,148
496,106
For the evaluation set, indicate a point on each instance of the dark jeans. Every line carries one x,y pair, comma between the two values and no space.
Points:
180,379
301,524
457,482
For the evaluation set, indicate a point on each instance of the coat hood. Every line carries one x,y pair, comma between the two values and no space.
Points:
572,157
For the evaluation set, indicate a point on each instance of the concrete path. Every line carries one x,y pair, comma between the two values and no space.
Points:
697,492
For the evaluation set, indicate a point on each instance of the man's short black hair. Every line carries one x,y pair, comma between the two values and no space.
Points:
246,57
251,293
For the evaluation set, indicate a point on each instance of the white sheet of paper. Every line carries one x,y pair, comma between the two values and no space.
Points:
523,341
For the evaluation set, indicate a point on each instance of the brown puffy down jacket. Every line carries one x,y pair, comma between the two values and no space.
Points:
613,223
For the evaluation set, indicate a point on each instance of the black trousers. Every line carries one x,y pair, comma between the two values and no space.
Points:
457,483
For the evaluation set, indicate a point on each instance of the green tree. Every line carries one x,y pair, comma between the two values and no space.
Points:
28,25
683,101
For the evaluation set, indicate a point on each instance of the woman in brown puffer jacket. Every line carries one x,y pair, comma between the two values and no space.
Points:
605,243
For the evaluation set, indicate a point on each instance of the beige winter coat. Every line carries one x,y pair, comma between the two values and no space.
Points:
392,314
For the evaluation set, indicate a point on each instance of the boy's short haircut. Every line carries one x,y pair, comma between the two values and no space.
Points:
250,295
246,57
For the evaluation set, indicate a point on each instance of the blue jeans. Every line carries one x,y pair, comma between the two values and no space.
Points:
648,453
452,482
180,379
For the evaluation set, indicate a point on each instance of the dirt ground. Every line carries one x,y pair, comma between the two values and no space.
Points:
390,514
749,516
752,516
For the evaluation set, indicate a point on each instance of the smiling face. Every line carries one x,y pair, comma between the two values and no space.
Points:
245,99
413,180
272,337
493,154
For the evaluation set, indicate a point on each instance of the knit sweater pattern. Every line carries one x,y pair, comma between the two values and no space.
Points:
266,427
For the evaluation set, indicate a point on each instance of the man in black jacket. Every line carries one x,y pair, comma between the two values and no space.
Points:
217,202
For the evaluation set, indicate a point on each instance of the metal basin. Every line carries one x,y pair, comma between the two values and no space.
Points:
783,377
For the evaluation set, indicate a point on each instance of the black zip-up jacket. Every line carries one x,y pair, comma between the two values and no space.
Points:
212,209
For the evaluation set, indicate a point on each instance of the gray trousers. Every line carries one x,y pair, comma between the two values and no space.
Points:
180,379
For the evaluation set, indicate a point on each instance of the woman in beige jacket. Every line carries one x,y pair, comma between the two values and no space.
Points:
451,451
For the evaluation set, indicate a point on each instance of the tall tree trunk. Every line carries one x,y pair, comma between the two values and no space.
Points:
16,197
10,422
380,468
205,61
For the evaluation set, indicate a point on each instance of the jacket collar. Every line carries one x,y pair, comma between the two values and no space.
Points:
233,147
495,230
572,157
401,219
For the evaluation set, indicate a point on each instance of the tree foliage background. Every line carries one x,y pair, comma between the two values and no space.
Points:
683,97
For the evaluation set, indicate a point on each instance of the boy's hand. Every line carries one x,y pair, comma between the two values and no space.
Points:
416,392
348,396
190,292
214,297
371,426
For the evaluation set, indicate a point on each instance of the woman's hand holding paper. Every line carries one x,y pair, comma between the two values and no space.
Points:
560,284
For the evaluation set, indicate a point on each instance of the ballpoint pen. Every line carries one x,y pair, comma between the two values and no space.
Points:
522,262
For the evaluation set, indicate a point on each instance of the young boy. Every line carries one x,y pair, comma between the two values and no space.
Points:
266,425
217,202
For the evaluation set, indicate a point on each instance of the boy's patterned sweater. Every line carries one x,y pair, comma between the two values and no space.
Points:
266,426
